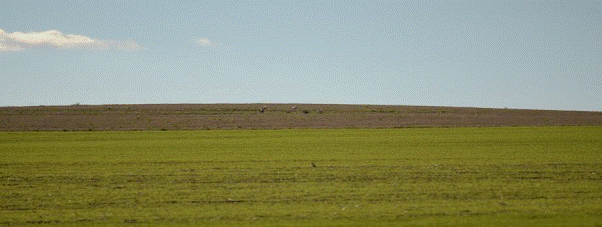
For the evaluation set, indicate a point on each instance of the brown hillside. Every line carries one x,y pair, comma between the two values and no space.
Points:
275,116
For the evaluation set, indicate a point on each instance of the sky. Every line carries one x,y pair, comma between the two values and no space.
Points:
493,54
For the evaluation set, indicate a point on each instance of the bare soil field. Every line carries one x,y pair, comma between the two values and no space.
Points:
275,116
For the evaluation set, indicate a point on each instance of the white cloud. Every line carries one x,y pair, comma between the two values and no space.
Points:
18,41
204,42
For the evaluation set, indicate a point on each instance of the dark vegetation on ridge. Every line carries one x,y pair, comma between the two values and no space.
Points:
274,116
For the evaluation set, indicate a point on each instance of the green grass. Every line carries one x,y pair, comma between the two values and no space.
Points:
519,176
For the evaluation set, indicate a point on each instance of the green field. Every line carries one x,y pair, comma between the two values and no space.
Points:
438,176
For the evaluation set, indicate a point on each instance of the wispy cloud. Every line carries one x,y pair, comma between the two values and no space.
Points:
19,41
204,42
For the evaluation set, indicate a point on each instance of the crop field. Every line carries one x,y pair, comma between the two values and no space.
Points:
519,176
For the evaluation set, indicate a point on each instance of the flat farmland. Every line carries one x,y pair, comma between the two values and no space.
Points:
519,176
275,116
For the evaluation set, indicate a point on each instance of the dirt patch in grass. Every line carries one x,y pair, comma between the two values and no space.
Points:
274,116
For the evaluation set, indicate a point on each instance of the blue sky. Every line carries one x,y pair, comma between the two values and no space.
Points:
514,54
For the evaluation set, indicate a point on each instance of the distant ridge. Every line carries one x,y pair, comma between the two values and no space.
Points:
275,116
